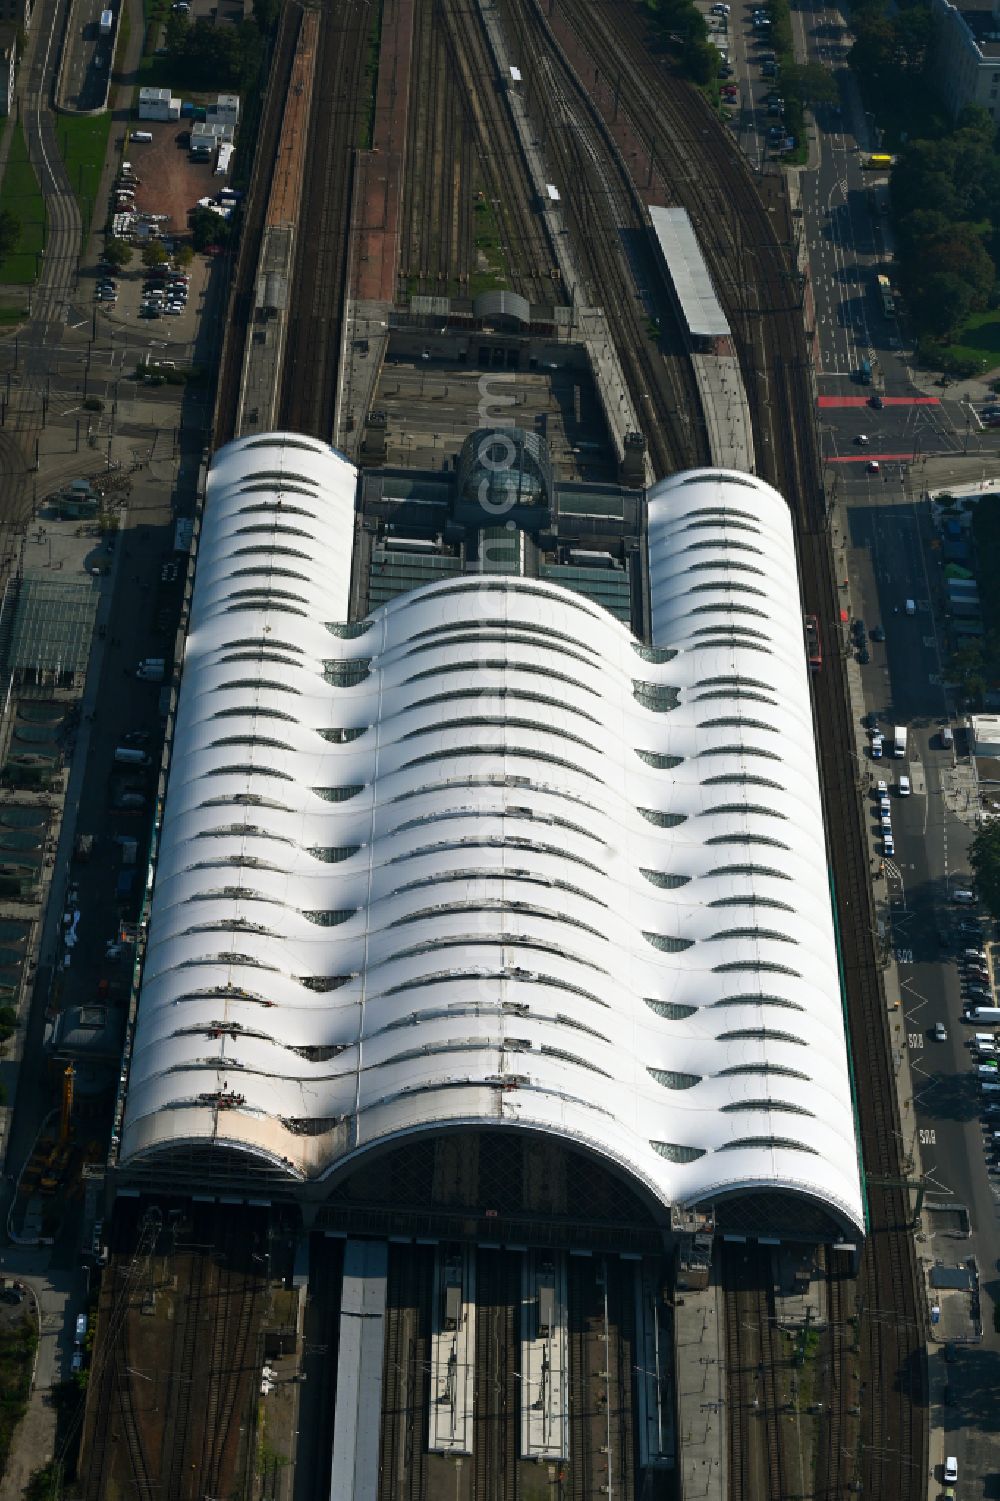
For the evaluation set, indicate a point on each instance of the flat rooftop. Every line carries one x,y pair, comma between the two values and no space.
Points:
690,276
985,28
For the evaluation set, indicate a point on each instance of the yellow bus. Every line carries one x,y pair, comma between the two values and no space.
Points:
879,161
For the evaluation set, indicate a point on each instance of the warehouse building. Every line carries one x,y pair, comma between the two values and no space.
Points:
480,903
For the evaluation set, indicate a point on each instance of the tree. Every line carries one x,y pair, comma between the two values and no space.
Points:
10,233
207,228
117,253
265,13
810,82
183,256
984,857
176,30
943,303
154,254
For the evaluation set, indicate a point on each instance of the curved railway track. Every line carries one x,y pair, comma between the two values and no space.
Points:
606,219
749,253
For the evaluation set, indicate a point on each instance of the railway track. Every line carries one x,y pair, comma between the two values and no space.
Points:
507,193
601,1344
836,1461
145,1487
233,1354
403,1447
436,250
497,1411
316,315
244,284
607,221
757,1462
174,1477
778,378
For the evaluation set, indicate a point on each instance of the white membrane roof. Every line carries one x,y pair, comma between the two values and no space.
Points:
486,859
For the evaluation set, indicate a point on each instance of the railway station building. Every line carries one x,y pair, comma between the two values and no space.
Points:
489,883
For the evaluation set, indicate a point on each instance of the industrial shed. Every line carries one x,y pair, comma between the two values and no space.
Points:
484,861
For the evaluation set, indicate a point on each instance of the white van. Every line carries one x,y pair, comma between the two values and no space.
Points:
144,136
947,737
963,896
984,1014
904,787
911,604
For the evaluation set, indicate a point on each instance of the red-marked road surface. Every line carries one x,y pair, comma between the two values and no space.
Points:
866,458
888,401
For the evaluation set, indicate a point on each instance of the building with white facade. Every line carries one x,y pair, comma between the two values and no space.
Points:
485,862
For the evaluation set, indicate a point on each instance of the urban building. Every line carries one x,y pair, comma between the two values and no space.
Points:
967,55
480,870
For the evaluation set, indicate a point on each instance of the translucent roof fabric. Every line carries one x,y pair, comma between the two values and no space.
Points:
486,858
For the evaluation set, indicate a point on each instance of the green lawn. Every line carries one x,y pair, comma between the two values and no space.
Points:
20,193
978,341
83,142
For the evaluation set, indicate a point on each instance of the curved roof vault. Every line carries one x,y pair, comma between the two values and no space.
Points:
486,857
